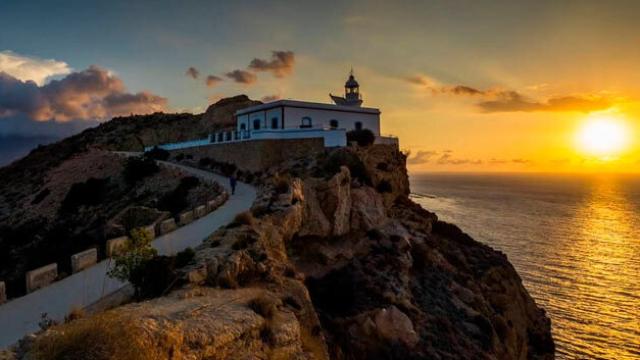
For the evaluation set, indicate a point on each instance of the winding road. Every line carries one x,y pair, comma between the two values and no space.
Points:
21,316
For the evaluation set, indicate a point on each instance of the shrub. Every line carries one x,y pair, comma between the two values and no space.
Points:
137,169
263,305
176,200
130,265
383,166
341,158
281,185
90,192
184,257
179,157
101,337
157,154
363,137
244,218
384,187
243,242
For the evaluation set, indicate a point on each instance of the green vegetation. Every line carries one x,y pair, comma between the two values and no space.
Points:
157,154
88,193
130,265
362,137
176,200
331,166
137,168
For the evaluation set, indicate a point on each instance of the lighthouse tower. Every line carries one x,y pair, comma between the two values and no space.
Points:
351,93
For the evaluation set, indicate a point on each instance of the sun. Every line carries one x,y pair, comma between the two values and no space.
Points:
603,137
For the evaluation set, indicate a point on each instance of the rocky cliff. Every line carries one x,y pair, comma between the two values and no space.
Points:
334,261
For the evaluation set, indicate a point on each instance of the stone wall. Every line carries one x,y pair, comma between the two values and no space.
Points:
256,155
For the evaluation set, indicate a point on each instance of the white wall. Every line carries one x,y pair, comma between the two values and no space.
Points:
321,119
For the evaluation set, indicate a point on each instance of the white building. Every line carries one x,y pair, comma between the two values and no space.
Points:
293,119
346,114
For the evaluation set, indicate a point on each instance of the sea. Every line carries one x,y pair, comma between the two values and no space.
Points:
574,240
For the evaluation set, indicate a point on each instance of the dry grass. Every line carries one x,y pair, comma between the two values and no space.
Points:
263,305
101,337
244,218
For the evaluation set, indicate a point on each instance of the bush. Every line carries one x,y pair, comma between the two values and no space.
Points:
184,257
179,157
281,185
157,154
176,200
384,187
130,265
101,337
244,218
137,169
382,166
363,137
89,193
341,158
263,305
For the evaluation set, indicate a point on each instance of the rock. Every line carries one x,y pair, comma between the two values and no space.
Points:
393,325
41,277
185,218
167,226
83,260
3,292
117,246
368,210
200,211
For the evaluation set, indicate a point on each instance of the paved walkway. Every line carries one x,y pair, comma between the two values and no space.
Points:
20,316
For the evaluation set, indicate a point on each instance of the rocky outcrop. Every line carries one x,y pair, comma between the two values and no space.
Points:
221,114
330,265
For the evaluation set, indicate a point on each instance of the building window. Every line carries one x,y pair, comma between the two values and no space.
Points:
274,122
333,124
306,122
358,125
243,127
228,136
220,137
256,124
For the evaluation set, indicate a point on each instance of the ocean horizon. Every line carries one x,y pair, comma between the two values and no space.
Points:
573,238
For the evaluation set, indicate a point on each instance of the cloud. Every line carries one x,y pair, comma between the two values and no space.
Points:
242,77
280,65
29,68
511,101
192,72
213,80
270,98
498,100
91,94
422,157
447,159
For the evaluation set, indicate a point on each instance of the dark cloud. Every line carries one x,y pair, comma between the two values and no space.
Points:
422,157
447,158
213,80
90,94
280,65
493,100
270,98
192,72
510,101
242,76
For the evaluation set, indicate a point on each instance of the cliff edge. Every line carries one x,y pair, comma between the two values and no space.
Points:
333,262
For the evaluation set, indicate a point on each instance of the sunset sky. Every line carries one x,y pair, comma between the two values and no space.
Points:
466,85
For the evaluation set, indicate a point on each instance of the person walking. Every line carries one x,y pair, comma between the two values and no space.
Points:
232,183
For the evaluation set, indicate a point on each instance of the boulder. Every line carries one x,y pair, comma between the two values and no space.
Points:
83,260
395,326
185,218
41,277
167,226
117,245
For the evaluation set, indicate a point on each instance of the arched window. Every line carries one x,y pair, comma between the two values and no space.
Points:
333,124
306,122
256,124
358,125
274,122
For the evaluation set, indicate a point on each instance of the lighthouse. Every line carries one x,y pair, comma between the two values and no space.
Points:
351,93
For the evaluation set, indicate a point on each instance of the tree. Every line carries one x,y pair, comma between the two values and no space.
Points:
130,264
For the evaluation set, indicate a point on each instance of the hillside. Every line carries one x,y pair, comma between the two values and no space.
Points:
334,261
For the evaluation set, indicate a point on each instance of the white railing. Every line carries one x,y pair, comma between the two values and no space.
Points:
332,137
